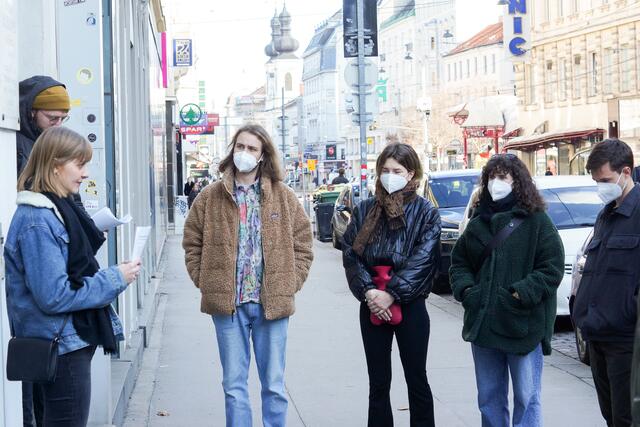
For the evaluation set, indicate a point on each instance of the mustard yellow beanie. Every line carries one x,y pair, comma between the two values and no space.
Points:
53,98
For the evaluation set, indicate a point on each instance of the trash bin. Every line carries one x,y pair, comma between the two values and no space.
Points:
324,213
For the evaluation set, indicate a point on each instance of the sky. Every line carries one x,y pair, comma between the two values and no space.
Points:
229,36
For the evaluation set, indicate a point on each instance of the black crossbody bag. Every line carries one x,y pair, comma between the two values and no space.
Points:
499,238
33,359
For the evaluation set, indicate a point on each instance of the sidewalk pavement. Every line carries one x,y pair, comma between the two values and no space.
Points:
180,379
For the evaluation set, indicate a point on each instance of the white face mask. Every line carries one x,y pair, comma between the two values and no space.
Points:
499,189
608,192
392,182
244,161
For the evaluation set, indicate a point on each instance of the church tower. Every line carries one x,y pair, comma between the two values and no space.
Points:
284,68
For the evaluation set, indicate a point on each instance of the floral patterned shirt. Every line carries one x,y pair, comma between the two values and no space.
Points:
249,264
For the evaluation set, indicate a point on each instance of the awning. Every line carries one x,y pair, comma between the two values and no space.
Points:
458,109
531,141
494,111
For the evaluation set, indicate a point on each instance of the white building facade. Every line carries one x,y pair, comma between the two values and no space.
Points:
580,82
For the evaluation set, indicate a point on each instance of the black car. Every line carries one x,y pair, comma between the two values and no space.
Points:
348,198
449,191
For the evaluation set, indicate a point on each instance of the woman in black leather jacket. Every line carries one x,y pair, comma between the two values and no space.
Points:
401,230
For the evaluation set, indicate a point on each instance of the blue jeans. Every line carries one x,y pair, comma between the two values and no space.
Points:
269,346
492,378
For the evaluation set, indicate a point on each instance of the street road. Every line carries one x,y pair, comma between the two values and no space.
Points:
180,380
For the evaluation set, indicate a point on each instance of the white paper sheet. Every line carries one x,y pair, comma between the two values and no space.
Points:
105,220
142,235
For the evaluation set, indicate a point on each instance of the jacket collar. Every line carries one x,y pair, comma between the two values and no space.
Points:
37,200
228,180
629,203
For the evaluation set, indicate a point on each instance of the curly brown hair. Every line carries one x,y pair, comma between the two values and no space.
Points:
527,195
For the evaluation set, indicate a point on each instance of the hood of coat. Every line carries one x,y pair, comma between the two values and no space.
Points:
37,200
29,89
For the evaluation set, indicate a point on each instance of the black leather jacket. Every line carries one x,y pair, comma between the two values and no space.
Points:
412,251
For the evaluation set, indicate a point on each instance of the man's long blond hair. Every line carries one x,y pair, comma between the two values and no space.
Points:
54,148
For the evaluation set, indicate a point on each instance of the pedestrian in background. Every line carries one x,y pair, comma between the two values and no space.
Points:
44,103
505,269
605,304
54,284
399,230
248,247
188,186
193,193
340,179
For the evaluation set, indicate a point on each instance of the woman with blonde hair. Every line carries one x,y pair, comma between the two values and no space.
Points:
55,287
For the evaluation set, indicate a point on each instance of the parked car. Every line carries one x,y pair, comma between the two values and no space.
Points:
449,192
573,205
582,346
348,198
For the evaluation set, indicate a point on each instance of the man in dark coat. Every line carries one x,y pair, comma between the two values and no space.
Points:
605,304
44,102
340,179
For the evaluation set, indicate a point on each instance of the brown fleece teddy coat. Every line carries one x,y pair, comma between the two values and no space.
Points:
211,247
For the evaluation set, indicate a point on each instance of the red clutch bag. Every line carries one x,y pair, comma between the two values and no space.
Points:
380,280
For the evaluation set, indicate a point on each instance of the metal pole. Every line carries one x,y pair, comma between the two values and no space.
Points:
226,132
361,102
284,160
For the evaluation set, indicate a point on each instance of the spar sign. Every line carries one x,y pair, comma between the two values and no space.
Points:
194,121
517,30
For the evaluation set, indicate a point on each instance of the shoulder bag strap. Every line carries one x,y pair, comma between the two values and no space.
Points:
499,238
59,335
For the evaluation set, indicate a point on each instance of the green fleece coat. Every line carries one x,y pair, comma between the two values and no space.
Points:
530,262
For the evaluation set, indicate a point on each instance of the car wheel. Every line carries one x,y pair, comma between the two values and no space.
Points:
335,240
582,347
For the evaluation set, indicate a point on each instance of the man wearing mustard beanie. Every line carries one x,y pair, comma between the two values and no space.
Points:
44,102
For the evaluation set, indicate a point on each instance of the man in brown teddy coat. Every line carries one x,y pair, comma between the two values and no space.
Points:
248,248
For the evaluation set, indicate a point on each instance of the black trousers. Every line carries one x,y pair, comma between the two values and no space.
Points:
611,370
412,335
64,402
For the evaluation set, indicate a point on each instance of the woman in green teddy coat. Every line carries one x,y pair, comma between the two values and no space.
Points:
509,297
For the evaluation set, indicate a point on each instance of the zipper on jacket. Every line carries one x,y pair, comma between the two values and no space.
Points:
235,255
